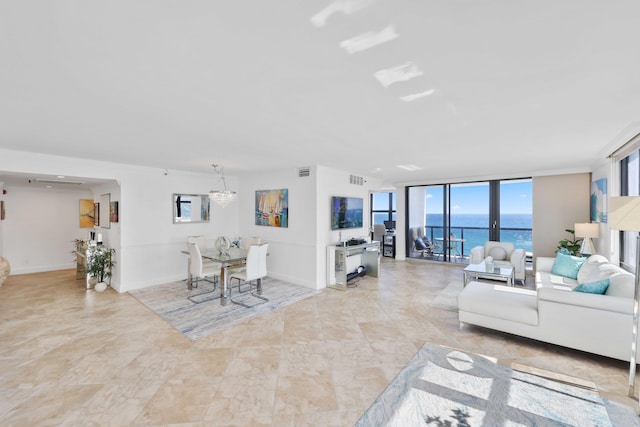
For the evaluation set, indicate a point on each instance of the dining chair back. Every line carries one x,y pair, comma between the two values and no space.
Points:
255,270
197,269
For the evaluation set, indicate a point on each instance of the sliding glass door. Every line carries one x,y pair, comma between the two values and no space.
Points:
457,217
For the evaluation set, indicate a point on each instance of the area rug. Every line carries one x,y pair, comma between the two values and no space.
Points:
447,299
442,386
198,313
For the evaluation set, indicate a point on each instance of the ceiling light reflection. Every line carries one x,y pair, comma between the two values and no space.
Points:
414,96
345,6
368,40
399,73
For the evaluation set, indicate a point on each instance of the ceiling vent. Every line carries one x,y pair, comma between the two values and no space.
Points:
53,181
357,180
302,172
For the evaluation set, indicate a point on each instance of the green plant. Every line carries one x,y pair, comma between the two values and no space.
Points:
100,263
570,246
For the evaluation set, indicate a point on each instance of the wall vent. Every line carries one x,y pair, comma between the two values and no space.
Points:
357,180
302,172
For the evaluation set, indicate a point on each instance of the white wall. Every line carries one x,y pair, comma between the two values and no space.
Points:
1,222
298,253
150,245
40,228
559,201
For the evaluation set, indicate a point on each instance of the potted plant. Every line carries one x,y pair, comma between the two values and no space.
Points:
100,265
570,246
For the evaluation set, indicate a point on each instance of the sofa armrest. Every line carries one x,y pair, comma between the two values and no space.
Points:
544,263
476,255
593,301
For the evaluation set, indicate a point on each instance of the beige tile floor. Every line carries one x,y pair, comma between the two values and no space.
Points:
72,357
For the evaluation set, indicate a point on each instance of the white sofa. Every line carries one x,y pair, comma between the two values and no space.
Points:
554,313
503,254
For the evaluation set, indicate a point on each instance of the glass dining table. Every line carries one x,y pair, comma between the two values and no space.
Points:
233,257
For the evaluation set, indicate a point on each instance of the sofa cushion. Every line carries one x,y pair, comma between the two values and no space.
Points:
498,253
499,301
590,270
597,287
567,265
622,284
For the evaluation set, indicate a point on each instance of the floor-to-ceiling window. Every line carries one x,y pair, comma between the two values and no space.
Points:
460,216
629,186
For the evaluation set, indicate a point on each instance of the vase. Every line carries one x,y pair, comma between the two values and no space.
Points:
223,244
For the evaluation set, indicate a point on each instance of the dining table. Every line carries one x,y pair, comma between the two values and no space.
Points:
229,259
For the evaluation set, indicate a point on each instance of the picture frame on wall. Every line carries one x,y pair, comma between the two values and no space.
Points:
87,213
599,200
113,212
272,208
96,214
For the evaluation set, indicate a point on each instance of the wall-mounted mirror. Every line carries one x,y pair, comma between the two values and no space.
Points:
105,201
189,208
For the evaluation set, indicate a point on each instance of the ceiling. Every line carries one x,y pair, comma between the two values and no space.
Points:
456,88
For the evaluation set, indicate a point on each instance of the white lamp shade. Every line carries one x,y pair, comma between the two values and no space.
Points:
587,229
624,213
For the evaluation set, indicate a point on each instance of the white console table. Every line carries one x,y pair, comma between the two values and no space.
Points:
342,260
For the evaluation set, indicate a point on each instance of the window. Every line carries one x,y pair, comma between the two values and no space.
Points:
383,207
629,186
460,216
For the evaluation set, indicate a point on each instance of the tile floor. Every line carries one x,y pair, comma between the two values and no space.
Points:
72,357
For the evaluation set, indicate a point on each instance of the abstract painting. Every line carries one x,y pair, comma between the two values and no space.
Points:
272,208
599,200
113,211
87,219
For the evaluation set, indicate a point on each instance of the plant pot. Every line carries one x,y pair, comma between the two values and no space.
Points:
101,287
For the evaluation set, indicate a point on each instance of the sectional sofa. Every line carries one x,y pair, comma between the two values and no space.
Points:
564,309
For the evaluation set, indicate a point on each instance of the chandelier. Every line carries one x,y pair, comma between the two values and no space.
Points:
222,197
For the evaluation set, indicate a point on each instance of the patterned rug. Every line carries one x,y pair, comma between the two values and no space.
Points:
447,299
445,387
198,313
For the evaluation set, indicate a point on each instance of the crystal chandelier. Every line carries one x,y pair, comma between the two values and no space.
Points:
222,197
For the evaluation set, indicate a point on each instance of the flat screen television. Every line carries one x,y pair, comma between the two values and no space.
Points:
390,225
346,212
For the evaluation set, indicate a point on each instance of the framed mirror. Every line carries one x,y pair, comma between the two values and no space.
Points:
190,208
105,201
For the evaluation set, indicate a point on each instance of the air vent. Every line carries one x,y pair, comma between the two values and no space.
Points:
357,180
302,172
53,181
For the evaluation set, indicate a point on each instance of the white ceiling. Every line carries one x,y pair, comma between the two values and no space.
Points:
501,87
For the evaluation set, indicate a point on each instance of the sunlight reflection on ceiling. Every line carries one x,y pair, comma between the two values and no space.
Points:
369,40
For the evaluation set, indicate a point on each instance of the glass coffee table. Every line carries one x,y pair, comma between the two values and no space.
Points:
493,272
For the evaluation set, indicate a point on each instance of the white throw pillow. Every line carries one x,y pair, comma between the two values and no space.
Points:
498,253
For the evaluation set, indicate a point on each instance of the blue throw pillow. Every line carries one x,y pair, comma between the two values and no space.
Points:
598,287
420,244
567,265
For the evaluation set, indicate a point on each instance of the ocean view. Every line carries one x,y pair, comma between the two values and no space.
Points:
474,228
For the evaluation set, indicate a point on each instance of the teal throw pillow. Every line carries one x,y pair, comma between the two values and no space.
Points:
598,287
420,245
567,265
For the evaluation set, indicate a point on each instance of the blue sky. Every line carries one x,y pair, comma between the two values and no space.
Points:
515,198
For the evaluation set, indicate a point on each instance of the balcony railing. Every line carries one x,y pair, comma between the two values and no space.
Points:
477,236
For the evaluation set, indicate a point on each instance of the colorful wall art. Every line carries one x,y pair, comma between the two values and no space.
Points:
272,208
87,219
599,200
113,212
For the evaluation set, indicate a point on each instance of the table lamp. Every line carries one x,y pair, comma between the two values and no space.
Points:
587,231
624,214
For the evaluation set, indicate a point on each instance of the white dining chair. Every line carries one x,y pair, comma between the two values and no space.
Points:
255,269
197,268
201,241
